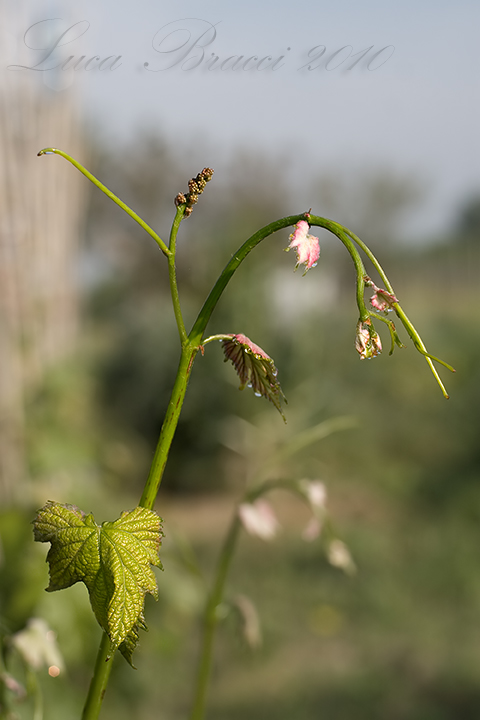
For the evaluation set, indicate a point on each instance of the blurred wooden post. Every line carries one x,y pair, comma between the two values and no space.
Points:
41,210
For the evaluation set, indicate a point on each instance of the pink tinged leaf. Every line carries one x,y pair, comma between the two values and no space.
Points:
306,246
258,519
255,349
376,344
382,300
367,341
362,338
254,368
300,233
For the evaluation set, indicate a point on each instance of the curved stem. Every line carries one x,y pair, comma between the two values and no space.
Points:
219,337
110,194
98,685
340,232
172,273
346,237
372,259
210,303
302,440
211,618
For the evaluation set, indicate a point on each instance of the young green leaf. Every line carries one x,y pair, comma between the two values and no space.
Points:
112,560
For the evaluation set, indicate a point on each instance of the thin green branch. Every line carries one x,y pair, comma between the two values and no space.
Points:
340,232
205,313
219,337
110,194
372,259
172,273
406,322
98,685
215,598
393,332
168,428
211,617
417,341
210,303
35,689
346,237
303,439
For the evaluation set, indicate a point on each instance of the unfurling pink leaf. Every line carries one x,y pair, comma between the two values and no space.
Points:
254,368
306,246
381,300
367,341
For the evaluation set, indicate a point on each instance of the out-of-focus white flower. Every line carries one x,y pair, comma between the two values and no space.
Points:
312,530
13,685
251,629
315,492
258,519
37,645
339,556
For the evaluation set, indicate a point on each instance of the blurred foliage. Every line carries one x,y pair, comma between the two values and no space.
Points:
400,639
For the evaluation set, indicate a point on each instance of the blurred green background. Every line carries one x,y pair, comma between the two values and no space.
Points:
400,639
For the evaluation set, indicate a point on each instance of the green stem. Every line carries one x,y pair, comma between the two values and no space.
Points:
102,668
300,441
211,618
177,397
36,691
110,194
372,259
417,341
5,695
101,673
211,614
169,426
210,303
172,273
342,235
98,685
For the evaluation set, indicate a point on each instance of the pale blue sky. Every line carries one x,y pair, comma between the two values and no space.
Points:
418,113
